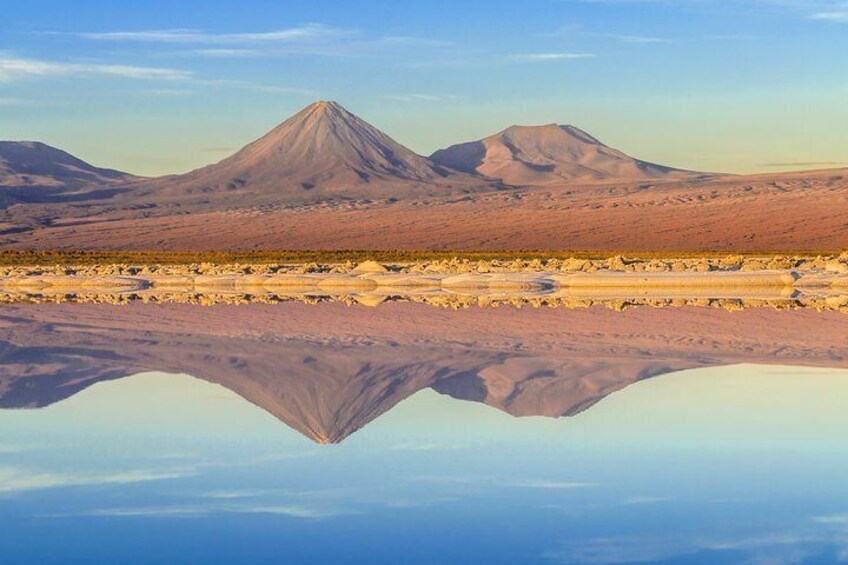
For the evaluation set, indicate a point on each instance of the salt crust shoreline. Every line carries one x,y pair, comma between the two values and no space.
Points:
729,282
617,272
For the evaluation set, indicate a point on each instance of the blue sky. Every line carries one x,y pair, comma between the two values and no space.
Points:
160,87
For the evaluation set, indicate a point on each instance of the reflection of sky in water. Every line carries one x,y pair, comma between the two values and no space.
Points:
738,464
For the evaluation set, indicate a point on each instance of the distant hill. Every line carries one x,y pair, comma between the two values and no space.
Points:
551,154
30,163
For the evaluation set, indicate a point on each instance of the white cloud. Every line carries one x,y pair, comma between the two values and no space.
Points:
839,16
16,480
228,53
190,36
12,68
151,512
835,519
637,39
777,546
300,511
544,57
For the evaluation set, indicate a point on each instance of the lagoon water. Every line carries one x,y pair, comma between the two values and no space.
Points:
330,433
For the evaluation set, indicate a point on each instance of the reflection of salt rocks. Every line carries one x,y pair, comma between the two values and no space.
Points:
406,281
781,293
658,280
518,282
104,282
215,281
251,280
466,282
291,281
334,281
171,281
370,300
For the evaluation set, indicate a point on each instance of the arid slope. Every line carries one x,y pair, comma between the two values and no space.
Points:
781,212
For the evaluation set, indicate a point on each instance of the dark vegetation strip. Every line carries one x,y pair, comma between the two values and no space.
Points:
12,258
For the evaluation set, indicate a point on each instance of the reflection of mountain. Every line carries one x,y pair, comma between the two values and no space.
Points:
330,369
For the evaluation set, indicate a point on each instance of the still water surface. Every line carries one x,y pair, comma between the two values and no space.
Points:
410,434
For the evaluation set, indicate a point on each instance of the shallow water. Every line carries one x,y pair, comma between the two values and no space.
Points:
411,434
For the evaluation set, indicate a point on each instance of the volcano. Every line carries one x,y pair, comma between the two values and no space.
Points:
322,152
546,155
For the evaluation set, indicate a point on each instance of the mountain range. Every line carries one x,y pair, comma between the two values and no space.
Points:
325,178
328,370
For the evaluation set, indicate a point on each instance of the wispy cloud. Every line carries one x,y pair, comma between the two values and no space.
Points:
762,547
148,512
228,53
491,482
313,38
832,519
299,511
636,39
12,68
16,480
545,57
840,16
191,36
576,30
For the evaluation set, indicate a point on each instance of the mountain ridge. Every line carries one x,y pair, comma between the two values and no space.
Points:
33,163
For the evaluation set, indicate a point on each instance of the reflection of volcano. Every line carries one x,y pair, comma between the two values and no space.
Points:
330,369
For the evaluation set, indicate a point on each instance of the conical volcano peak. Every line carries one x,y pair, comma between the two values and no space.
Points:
327,105
327,108
323,151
